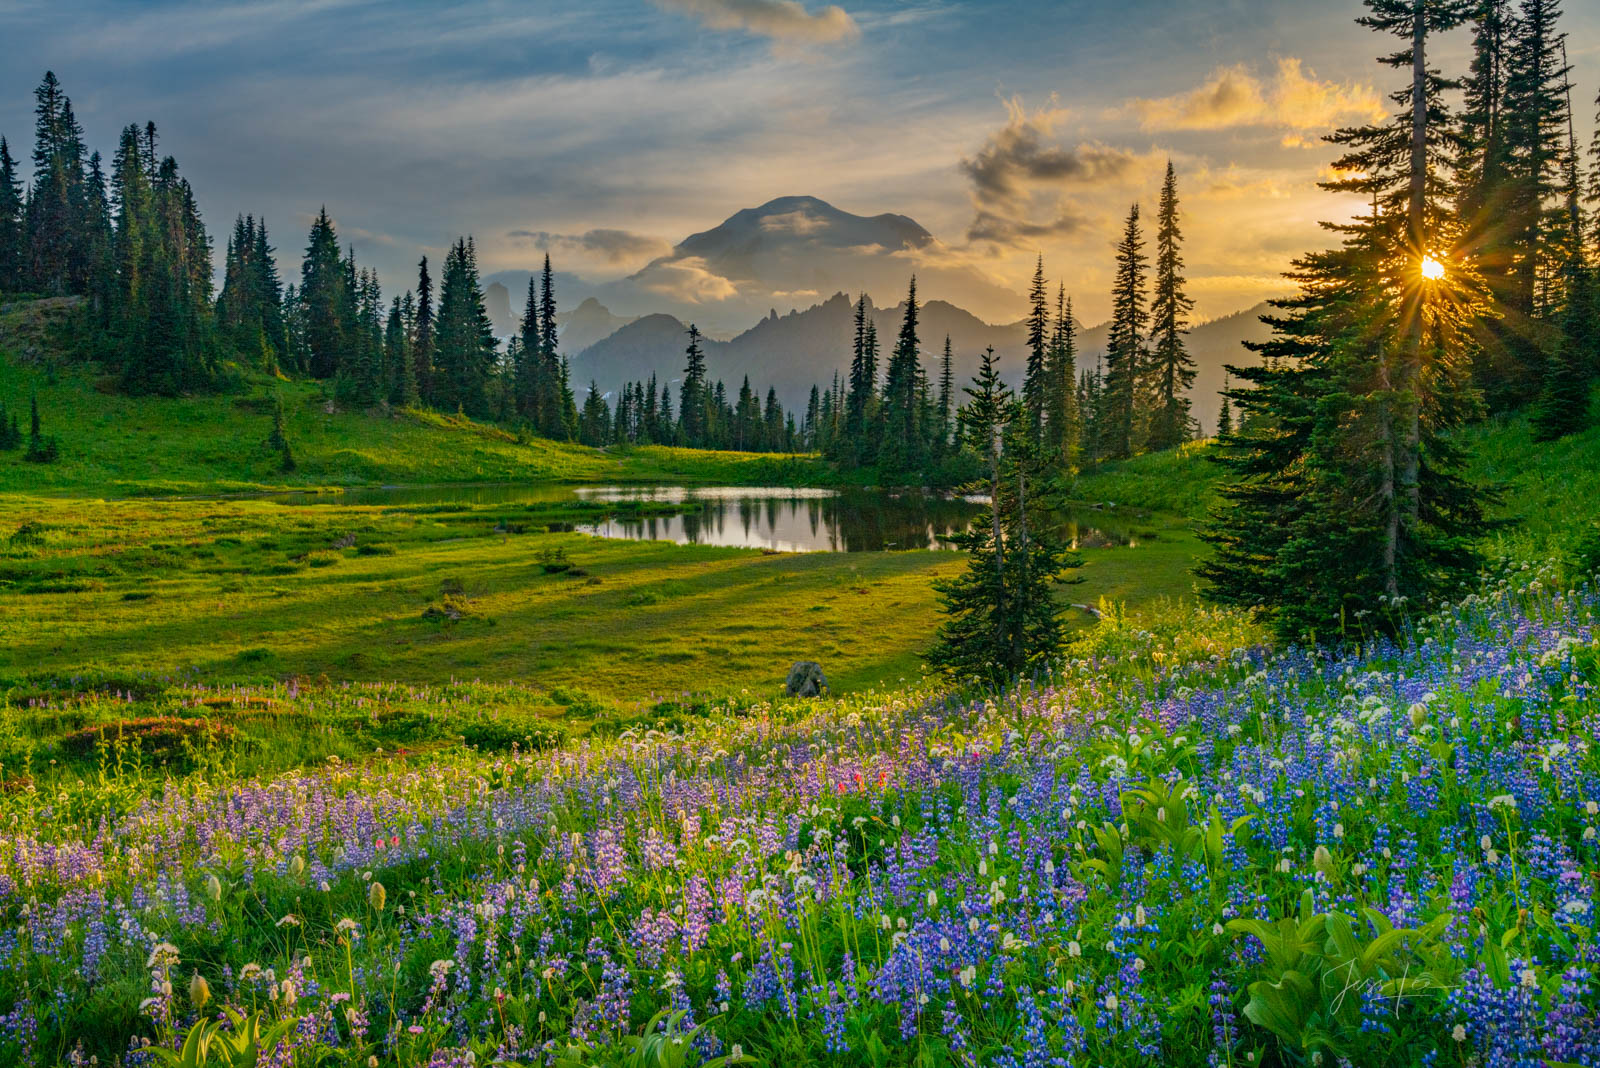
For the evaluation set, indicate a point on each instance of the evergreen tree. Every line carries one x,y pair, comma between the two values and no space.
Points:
57,263
1125,353
1225,414
595,422
901,447
1564,403
946,417
400,371
528,368
861,405
1035,387
1173,369
465,350
41,449
1063,414
278,438
13,234
327,299
1004,620
692,397
422,334
1346,499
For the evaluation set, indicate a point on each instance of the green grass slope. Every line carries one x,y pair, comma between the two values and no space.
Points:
115,445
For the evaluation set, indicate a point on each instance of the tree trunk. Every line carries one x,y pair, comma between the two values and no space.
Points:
1411,372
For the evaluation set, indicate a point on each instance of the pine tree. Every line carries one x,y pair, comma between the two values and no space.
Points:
861,404
692,398
278,438
1035,388
1225,414
422,334
465,350
1346,499
54,211
946,416
1063,414
1564,402
1172,370
900,448
41,449
1536,118
13,235
1125,352
528,370
1004,619
327,299
595,422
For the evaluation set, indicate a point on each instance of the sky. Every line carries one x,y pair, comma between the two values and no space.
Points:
605,131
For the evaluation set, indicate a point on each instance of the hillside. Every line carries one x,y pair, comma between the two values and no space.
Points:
118,445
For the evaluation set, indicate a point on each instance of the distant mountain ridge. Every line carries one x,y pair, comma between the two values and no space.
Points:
793,252
793,352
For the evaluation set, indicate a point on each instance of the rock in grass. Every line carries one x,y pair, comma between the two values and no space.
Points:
806,679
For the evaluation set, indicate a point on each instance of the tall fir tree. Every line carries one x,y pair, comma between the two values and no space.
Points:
422,332
1004,620
861,405
901,445
327,299
1125,347
465,350
13,232
1035,379
692,395
1172,369
1063,414
1346,501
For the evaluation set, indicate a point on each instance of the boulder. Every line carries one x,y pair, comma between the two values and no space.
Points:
806,680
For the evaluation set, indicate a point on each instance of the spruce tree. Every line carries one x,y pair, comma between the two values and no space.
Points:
465,350
1346,501
41,449
1225,414
528,367
1003,617
1063,414
56,263
1035,386
422,334
1172,369
861,405
692,398
327,299
946,417
1125,352
13,235
900,448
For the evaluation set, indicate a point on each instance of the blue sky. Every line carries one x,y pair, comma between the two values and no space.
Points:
617,127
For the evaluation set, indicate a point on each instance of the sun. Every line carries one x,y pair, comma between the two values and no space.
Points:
1432,269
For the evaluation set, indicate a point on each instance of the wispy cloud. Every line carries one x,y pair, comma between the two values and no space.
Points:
606,245
783,21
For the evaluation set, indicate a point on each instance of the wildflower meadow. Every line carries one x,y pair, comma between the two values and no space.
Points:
1386,857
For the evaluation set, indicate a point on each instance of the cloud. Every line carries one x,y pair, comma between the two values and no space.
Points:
784,21
798,222
611,246
1234,96
1019,155
688,279
1021,173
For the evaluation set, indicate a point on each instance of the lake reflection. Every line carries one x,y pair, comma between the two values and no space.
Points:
792,520
777,519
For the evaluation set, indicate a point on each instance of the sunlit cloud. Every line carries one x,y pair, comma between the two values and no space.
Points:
784,21
1292,99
